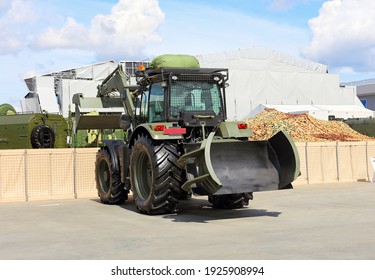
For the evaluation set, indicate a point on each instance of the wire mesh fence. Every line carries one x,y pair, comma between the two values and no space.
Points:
47,174
27,175
335,162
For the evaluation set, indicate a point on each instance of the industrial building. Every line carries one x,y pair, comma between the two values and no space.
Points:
365,91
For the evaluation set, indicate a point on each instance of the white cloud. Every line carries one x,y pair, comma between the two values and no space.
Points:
129,27
15,17
71,35
4,5
343,35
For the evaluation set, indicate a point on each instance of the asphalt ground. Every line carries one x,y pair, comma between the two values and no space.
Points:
310,222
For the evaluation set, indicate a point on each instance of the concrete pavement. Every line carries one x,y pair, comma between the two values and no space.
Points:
325,221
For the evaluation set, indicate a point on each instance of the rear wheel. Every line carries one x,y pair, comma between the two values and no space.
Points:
155,176
230,201
108,182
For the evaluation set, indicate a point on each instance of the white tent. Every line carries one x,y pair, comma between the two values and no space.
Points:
260,78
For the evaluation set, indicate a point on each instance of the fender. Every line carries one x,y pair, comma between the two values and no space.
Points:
155,134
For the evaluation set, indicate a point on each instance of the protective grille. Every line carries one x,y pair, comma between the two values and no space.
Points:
194,95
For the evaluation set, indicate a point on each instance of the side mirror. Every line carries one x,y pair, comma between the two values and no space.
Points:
125,122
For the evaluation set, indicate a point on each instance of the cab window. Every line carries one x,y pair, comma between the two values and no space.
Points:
156,104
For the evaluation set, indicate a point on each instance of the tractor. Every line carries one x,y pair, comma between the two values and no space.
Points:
178,140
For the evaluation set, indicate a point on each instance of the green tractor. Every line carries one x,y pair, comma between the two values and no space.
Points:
31,131
178,140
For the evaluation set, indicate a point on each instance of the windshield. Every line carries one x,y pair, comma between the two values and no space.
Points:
194,96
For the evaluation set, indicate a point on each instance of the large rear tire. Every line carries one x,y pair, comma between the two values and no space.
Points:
155,176
108,181
230,201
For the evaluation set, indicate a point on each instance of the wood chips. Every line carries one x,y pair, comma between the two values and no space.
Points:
301,127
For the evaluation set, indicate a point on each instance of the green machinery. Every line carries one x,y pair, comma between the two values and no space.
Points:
36,131
364,126
178,141
27,131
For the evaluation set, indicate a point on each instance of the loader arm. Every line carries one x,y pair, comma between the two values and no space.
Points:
117,82
113,101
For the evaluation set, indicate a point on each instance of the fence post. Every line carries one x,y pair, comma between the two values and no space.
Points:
26,176
351,161
307,164
50,175
337,162
367,159
75,171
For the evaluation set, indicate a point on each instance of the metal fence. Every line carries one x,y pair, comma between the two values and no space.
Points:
43,174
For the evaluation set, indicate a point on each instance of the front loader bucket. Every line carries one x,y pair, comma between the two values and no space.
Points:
233,166
97,113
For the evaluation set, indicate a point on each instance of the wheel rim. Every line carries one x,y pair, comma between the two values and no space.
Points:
45,138
103,174
143,175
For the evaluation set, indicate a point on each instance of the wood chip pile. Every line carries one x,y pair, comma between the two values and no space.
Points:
301,127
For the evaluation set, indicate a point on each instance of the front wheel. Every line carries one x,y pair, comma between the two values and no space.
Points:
154,176
230,201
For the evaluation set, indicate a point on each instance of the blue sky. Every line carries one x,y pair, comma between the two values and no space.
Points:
43,36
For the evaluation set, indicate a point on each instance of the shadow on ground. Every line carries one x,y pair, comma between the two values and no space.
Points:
201,211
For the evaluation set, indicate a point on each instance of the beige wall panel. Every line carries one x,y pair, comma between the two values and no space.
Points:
85,184
329,162
345,162
314,166
12,175
39,174
62,170
302,179
370,154
359,161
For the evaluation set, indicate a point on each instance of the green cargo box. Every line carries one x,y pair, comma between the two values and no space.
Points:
28,131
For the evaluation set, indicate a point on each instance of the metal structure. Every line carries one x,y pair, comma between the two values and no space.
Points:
178,140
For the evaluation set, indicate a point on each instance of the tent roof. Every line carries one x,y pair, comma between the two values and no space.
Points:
256,58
